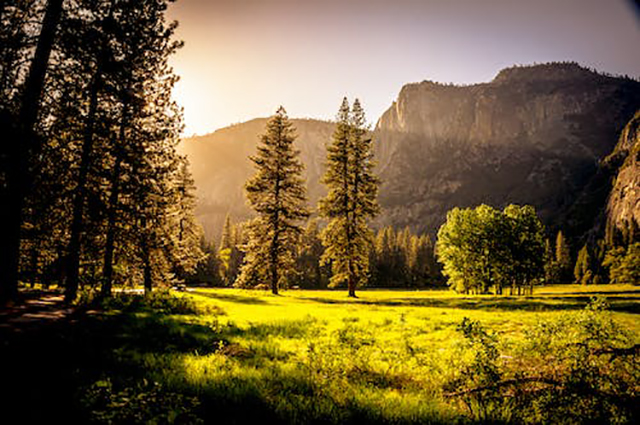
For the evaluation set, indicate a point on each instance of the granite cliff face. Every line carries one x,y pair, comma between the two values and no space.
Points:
534,135
623,206
220,166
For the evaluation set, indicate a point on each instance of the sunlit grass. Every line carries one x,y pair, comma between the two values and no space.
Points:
306,356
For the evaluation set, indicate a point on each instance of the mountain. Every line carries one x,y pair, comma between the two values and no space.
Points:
623,205
534,135
220,166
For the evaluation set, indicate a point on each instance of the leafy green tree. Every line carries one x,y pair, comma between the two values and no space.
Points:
624,264
526,246
351,200
278,195
483,248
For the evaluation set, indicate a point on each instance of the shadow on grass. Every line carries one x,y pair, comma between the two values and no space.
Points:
241,299
506,303
143,356
49,366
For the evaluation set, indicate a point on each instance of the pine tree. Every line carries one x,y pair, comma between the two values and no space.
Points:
184,232
310,271
351,200
22,146
227,234
563,258
278,195
582,271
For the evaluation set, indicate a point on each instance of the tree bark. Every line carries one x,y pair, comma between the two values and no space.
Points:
24,144
107,271
146,258
75,243
352,286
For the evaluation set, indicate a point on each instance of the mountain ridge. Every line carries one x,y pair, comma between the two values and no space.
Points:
534,134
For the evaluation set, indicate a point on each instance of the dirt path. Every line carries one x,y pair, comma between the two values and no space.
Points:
38,309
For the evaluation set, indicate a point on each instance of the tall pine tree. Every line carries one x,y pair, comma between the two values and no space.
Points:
351,200
278,195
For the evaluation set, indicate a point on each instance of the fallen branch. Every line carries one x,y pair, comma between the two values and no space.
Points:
617,352
505,383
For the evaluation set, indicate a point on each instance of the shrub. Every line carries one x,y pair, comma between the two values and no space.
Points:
579,368
140,403
160,301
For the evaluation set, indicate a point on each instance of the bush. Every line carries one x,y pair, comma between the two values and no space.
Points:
160,301
579,368
141,403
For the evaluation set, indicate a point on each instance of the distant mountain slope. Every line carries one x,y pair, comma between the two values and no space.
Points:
533,135
220,165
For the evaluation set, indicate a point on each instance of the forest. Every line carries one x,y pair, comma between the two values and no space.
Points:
115,307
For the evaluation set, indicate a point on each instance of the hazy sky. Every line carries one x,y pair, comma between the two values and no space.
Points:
244,58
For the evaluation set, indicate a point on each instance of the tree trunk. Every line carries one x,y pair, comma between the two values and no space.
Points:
107,272
352,286
24,144
73,252
148,281
34,266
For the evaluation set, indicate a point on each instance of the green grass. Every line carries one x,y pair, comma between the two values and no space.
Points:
300,357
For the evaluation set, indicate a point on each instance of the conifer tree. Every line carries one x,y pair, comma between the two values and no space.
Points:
22,144
351,200
310,271
563,258
278,195
582,270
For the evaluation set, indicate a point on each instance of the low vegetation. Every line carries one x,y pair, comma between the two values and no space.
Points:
568,354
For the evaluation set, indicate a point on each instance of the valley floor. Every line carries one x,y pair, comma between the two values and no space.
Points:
235,356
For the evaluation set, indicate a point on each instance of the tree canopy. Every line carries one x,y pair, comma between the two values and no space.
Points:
483,248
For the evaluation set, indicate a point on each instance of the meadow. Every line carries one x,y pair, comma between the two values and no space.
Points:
237,356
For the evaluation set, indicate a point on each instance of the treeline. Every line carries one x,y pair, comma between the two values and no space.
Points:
484,250
94,193
280,248
397,259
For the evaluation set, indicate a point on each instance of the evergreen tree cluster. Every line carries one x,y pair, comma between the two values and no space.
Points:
401,259
397,259
351,200
96,192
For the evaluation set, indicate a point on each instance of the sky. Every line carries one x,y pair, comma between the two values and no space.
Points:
244,58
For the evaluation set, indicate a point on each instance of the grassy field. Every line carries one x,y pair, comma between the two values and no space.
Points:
311,356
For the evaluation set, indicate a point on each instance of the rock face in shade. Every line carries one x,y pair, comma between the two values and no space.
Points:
623,206
534,135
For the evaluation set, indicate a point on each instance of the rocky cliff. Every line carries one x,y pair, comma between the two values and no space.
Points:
533,135
623,206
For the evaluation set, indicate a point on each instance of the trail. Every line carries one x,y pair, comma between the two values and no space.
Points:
37,310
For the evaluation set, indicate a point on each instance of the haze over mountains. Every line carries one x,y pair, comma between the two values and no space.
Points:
534,135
